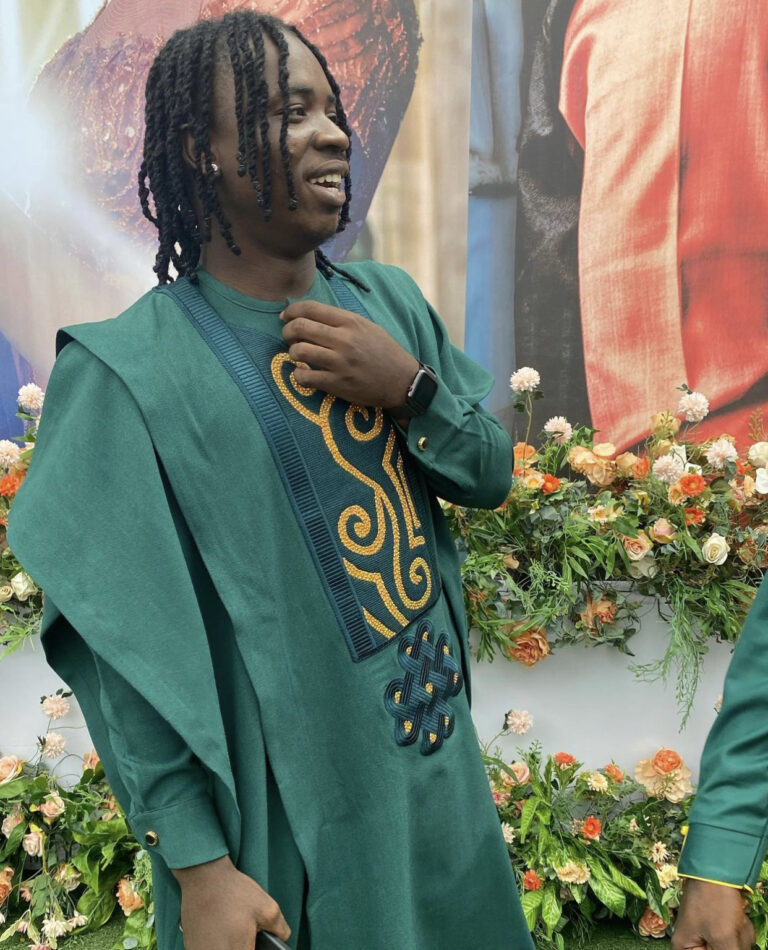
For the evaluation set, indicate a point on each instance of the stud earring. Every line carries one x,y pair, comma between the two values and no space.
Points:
215,170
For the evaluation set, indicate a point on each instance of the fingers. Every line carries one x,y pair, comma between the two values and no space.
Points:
271,919
310,331
317,356
323,380
316,312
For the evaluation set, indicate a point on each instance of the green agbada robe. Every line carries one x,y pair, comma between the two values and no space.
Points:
240,704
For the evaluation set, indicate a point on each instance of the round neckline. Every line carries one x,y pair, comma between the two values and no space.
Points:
212,284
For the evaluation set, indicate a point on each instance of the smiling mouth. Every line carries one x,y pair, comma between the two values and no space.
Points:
331,181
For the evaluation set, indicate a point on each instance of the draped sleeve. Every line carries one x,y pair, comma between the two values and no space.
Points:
93,525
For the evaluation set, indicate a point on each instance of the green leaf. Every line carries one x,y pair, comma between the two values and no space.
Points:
97,907
608,894
529,812
130,943
625,883
531,902
551,909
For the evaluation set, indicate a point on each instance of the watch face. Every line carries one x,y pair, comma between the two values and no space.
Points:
423,390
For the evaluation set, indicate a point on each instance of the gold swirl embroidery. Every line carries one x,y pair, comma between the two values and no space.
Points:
355,525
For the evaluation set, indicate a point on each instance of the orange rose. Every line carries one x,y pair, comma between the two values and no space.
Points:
692,484
532,881
614,772
128,899
591,828
695,515
638,547
602,610
666,761
642,467
6,886
529,647
651,925
564,760
551,484
524,453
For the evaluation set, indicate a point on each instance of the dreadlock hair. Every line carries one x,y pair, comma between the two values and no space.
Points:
179,94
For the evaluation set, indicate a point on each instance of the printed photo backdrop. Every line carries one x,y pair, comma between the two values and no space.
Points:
73,244
619,193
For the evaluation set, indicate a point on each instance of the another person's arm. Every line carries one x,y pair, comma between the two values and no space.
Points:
728,830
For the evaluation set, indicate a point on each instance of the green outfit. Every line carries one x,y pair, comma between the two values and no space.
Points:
728,831
243,697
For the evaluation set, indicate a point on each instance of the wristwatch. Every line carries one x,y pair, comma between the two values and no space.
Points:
420,395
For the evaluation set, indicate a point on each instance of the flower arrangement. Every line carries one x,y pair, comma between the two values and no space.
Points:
21,601
68,859
587,844
584,528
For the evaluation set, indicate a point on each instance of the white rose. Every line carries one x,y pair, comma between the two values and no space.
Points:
6,592
758,454
645,567
23,586
715,549
761,481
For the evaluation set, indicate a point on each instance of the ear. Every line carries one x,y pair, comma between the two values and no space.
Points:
188,149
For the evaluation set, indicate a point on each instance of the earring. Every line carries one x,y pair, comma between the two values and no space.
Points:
215,170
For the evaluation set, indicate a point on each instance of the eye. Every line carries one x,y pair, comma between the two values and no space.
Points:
334,118
296,112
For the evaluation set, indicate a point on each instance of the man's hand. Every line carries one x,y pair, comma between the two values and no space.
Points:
223,908
348,356
712,917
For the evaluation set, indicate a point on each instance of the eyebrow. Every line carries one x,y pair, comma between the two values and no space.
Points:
300,91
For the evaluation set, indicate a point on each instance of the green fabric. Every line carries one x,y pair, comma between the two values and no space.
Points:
729,820
154,519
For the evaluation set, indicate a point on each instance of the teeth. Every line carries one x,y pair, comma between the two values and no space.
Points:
333,179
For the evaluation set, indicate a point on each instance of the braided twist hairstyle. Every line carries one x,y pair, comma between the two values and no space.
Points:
179,95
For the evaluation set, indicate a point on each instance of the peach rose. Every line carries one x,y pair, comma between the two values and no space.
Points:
600,471
524,453
25,892
651,925
676,495
510,562
662,531
128,899
52,807
638,547
68,876
602,610
664,425
15,818
604,450
626,463
521,774
91,760
10,767
665,776
529,647
577,456
33,842
748,552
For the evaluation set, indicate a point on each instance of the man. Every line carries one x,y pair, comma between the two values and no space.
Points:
232,510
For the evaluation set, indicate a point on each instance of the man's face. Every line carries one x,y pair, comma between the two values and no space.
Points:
316,147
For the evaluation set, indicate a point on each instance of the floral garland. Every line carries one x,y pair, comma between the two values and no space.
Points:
685,522
21,601
586,844
67,856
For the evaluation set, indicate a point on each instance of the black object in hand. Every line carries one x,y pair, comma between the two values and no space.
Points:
268,941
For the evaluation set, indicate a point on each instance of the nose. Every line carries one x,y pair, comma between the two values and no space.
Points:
329,136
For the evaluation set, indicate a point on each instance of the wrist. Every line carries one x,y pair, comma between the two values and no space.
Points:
419,393
201,872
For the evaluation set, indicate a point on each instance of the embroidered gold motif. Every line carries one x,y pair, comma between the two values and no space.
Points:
391,518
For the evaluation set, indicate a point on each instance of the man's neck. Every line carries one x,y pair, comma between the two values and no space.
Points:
263,275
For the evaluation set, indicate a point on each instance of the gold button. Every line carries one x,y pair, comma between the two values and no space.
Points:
152,838
423,443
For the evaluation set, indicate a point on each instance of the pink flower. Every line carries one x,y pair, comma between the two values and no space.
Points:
668,468
91,760
694,406
720,452
54,745
662,531
55,707
33,843
521,774
560,429
11,821
52,807
10,767
518,721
